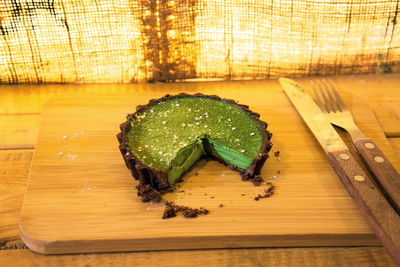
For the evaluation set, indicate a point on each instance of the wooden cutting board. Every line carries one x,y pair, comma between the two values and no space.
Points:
81,197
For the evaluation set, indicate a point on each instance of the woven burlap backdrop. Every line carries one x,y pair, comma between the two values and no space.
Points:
156,40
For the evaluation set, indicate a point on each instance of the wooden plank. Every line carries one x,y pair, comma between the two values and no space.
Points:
92,201
395,142
31,98
387,111
19,131
14,169
354,256
27,98
369,87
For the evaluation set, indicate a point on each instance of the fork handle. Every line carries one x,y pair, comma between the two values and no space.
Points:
378,212
386,175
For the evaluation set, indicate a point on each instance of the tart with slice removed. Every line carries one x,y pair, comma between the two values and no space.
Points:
164,139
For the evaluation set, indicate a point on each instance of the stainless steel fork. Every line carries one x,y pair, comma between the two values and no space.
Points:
330,102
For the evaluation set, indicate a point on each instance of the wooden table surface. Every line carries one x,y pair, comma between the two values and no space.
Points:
20,113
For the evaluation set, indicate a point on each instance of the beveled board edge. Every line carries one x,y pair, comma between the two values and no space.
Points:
49,247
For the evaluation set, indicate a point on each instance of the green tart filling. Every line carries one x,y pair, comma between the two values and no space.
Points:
173,134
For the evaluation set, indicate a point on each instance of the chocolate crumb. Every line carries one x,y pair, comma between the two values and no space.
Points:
268,192
196,174
189,213
279,171
257,180
277,153
171,210
180,191
221,205
212,197
243,195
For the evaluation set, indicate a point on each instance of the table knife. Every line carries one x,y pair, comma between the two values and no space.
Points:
378,212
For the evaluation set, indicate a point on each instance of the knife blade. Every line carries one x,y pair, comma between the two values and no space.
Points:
376,209
326,135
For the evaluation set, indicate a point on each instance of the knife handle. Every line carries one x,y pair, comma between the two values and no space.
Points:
386,175
377,211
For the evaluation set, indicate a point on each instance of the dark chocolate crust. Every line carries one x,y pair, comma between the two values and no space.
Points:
154,182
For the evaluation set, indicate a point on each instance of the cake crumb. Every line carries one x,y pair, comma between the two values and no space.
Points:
276,153
171,210
220,205
268,192
212,197
257,180
196,174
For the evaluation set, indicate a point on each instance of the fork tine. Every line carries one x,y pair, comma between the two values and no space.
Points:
334,104
317,97
339,100
318,100
328,103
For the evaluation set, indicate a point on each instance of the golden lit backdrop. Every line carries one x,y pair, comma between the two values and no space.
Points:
90,41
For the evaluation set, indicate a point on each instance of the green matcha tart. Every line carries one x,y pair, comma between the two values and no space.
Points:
164,139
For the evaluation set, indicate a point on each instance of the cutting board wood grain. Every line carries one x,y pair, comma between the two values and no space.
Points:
81,198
